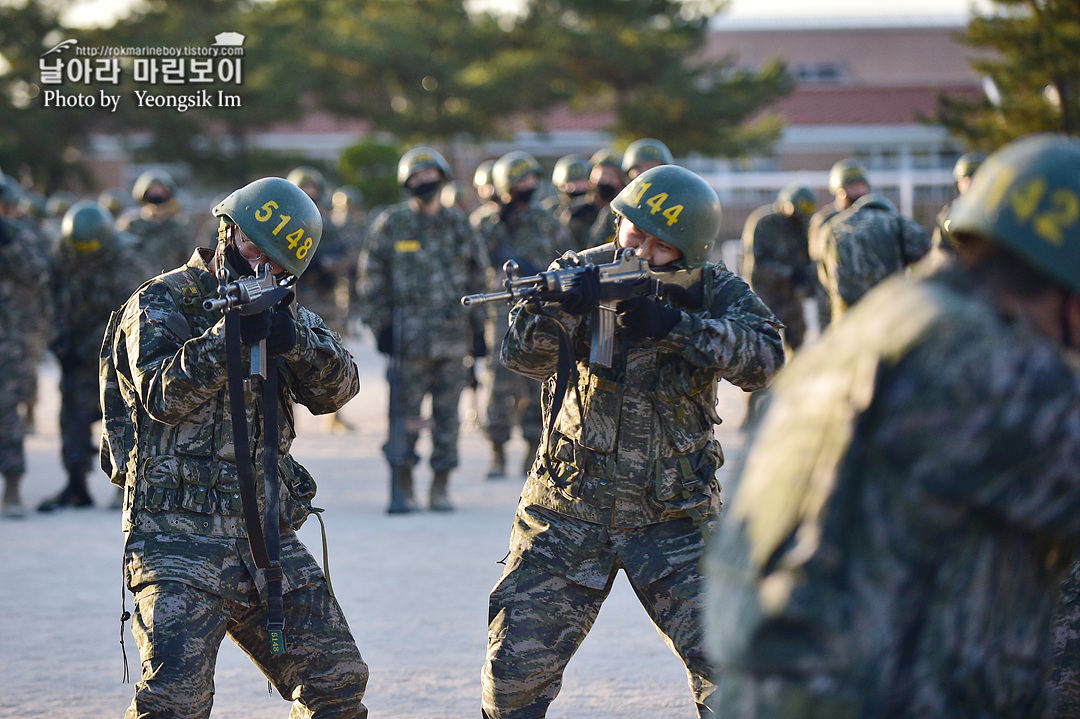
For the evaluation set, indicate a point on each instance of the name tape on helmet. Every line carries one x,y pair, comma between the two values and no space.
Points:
297,242
656,202
1048,215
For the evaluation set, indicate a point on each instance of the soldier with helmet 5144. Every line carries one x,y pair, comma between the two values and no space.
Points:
174,436
626,477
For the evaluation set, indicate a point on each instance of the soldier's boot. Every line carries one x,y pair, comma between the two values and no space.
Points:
530,456
73,495
439,501
497,470
404,479
11,507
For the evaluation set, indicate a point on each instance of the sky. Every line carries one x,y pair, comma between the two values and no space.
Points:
91,12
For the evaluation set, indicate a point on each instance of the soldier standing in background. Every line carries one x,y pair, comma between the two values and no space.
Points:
420,259
941,245
93,271
349,219
570,178
485,190
605,181
910,502
627,478
640,155
530,236
162,232
22,264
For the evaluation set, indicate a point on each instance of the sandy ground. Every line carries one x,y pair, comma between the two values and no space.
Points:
414,587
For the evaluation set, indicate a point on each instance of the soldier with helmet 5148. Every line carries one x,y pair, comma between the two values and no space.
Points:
626,477
173,437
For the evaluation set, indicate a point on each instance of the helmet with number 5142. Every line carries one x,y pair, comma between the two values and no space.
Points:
1026,198
676,206
279,218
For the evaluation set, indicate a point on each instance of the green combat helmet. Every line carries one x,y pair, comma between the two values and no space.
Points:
794,199
59,202
645,150
1026,198
151,177
967,164
482,176
607,156
845,172
570,168
347,197
307,176
512,168
417,159
676,206
87,229
279,218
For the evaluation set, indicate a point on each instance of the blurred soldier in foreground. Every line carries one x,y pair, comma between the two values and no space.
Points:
176,436
911,500
863,245
163,234
530,236
22,265
421,258
93,271
941,244
627,477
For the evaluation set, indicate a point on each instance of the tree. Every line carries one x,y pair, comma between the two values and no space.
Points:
1031,62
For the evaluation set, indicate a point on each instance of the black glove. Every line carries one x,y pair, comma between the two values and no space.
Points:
644,317
282,337
585,296
385,340
254,327
479,344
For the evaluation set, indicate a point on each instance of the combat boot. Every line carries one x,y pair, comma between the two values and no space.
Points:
73,495
440,497
404,479
497,470
530,457
12,506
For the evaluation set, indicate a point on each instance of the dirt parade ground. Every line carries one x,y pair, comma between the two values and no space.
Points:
414,587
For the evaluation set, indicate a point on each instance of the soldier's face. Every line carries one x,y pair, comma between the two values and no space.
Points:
253,254
648,247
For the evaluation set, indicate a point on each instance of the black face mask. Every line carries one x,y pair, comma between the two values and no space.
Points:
522,197
425,192
156,199
606,192
236,263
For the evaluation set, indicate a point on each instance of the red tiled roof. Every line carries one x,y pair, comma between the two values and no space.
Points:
864,105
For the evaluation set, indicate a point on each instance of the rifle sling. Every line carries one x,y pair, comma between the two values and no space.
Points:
565,372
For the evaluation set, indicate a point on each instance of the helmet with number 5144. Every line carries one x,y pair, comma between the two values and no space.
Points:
675,206
279,218
1026,198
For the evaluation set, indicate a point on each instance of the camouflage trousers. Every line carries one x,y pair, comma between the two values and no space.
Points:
444,380
742,696
12,455
79,409
558,574
514,400
1065,678
179,630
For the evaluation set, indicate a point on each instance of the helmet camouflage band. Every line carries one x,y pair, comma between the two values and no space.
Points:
967,164
512,168
419,158
645,150
676,206
87,228
570,168
278,218
482,176
1026,198
150,177
844,173
802,199
607,156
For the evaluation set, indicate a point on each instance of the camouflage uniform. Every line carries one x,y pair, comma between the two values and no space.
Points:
638,487
864,244
905,514
578,218
186,555
36,319
85,289
777,264
21,264
423,265
1065,678
325,291
164,241
532,237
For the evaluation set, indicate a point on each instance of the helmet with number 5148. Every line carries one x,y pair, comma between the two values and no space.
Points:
1026,198
279,218
676,206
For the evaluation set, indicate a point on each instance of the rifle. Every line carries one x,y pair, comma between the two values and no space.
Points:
626,277
396,443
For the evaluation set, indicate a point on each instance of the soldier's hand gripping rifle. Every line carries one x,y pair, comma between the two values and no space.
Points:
249,296
626,277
